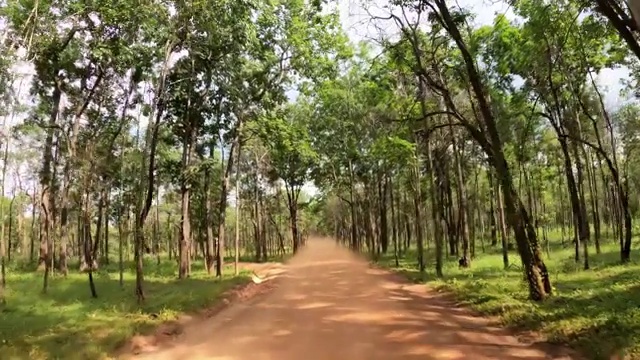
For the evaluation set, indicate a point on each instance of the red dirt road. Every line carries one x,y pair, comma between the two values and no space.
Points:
330,305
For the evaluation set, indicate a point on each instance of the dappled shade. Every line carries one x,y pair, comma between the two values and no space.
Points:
331,305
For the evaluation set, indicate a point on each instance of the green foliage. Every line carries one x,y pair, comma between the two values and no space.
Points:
67,324
287,137
594,311
364,128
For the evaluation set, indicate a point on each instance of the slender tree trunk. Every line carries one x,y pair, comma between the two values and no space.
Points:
147,172
33,232
3,269
123,233
185,202
223,201
22,232
210,253
435,210
88,246
107,211
595,211
292,200
492,210
99,223
407,224
169,232
417,208
257,225
462,199
263,232
156,226
354,234
3,247
64,220
503,228
394,224
46,198
584,231
384,231
236,252
452,230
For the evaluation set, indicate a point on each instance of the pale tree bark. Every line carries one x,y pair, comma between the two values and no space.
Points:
236,267
222,207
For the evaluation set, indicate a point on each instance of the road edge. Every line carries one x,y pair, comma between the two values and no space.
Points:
167,333
528,337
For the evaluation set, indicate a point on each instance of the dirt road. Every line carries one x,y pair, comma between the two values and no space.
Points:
331,305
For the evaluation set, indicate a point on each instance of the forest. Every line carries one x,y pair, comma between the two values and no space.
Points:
151,149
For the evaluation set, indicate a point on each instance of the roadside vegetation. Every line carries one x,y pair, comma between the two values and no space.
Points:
65,324
145,157
594,311
188,134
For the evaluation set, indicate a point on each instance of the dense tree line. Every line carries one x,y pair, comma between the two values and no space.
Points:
142,121
460,138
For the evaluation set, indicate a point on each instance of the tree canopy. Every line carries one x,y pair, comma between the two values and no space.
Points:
165,124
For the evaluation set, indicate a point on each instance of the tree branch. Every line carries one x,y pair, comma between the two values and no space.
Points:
595,147
427,115
344,199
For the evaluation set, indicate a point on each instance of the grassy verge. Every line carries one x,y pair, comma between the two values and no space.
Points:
596,311
67,323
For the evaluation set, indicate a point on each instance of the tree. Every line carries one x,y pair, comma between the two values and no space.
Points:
291,156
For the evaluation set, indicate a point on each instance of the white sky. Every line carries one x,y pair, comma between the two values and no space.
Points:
358,26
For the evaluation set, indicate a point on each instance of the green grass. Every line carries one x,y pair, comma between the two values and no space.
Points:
67,323
596,311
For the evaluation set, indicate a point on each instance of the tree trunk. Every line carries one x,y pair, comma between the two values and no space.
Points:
3,270
583,227
210,253
107,211
436,209
528,247
185,202
394,224
99,223
462,199
452,231
88,247
236,253
595,211
156,226
33,232
123,233
417,209
46,198
384,231
292,200
222,208
147,172
503,228
64,220
492,210
354,234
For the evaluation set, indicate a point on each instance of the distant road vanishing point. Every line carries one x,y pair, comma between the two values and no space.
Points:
331,305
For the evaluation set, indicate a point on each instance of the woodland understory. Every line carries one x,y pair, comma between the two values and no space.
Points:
139,133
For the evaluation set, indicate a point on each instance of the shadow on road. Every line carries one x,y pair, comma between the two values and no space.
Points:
331,305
